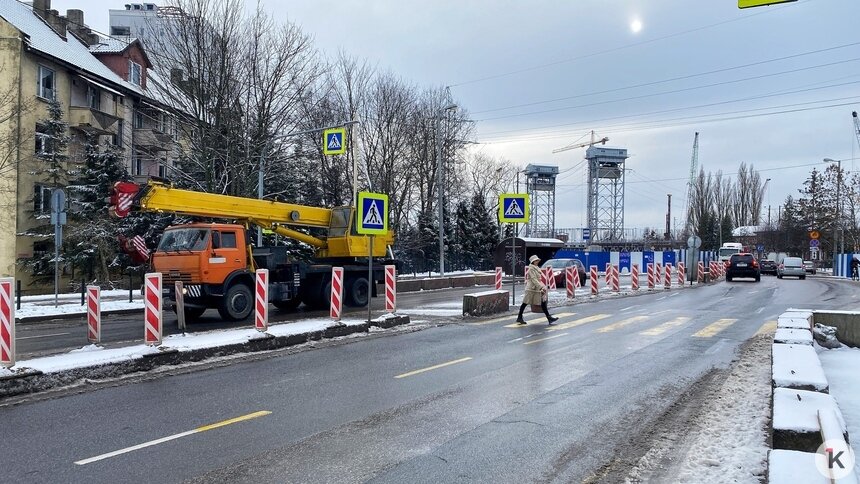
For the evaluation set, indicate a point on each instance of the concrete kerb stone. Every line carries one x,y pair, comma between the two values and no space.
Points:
32,381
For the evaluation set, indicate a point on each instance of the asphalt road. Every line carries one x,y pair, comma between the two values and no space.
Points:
483,401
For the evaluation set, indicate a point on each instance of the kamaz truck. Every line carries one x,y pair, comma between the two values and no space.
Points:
216,262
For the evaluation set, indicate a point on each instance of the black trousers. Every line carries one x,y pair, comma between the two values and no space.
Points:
542,306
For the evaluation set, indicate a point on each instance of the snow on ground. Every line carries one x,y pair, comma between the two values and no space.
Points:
793,336
791,466
41,311
431,311
797,410
840,366
797,365
106,293
87,356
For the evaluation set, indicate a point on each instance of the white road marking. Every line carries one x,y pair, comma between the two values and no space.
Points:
434,367
759,310
42,336
675,294
662,298
628,308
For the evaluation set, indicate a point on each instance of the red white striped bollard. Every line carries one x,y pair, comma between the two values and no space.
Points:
569,271
594,279
498,278
658,273
7,321
391,287
615,283
634,277
701,276
576,281
336,307
545,274
681,273
94,314
650,275
667,282
153,330
607,275
261,300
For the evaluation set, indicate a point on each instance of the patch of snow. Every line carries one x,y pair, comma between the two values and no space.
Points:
840,366
300,327
41,311
792,467
797,365
797,410
793,336
92,347
211,339
793,323
826,336
798,313
487,293
432,312
81,359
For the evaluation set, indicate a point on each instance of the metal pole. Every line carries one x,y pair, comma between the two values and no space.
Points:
838,214
260,194
439,197
514,266
370,279
18,292
354,167
58,236
130,284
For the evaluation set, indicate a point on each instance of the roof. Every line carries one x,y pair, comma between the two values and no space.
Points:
118,45
41,37
748,230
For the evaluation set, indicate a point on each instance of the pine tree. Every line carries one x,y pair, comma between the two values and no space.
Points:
52,171
485,234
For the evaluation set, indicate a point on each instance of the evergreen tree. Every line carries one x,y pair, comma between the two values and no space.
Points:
52,172
485,234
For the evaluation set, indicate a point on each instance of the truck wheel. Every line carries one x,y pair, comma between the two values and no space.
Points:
357,292
237,303
193,314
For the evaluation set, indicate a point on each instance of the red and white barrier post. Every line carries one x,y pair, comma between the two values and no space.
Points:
545,274
153,329
681,274
615,283
7,321
650,275
607,275
594,279
667,282
634,277
94,314
391,286
550,274
261,300
568,281
576,281
336,293
658,272
498,278
701,275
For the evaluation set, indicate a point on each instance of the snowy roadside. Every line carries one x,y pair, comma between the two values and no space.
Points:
840,367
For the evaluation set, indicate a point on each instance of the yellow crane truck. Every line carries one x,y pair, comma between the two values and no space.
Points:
216,261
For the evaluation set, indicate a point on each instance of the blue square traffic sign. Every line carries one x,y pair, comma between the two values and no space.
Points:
334,141
514,208
372,218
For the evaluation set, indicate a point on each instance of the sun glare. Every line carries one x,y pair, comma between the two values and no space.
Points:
635,26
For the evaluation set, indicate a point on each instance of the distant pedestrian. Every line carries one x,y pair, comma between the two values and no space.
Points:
854,268
535,294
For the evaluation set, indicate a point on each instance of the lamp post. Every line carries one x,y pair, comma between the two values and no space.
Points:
838,220
439,185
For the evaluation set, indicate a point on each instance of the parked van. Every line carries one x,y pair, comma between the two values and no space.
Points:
728,249
791,266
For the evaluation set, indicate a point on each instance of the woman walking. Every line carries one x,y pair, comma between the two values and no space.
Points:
535,291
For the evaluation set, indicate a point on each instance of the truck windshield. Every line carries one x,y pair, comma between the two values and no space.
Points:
184,239
728,252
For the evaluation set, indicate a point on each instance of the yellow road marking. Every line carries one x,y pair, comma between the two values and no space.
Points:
434,367
578,322
621,324
538,320
544,339
491,321
767,328
162,440
714,328
658,330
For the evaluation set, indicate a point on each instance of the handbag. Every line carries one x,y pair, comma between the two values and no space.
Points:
536,308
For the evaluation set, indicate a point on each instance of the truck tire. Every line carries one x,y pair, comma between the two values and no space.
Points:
193,314
357,292
316,292
237,303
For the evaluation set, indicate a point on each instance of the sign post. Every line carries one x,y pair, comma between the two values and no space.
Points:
514,209
179,291
372,220
58,219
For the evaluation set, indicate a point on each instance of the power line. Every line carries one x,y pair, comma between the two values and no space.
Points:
623,47
663,81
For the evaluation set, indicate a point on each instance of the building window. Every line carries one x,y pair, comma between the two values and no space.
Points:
121,31
41,199
138,165
94,98
46,83
138,119
117,138
135,73
161,168
43,140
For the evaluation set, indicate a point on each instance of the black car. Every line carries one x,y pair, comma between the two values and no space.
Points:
768,266
743,265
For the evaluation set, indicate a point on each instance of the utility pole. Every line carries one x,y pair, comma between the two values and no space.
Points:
668,233
439,168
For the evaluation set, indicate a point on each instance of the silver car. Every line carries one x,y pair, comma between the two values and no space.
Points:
791,266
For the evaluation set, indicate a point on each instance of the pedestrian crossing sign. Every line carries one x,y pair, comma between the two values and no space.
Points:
372,217
513,208
334,141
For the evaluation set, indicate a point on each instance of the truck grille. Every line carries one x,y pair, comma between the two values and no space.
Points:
172,277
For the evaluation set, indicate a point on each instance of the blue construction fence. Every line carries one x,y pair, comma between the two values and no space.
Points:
843,264
625,260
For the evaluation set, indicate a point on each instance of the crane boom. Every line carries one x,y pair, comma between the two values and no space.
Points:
583,145
856,127
694,166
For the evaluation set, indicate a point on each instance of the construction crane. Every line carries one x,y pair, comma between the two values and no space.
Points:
593,142
856,127
694,167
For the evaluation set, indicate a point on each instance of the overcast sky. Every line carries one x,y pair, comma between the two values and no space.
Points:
561,58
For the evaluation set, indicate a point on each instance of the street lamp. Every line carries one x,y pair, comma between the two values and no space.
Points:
439,115
838,219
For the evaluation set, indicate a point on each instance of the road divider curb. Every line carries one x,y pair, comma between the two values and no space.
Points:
27,381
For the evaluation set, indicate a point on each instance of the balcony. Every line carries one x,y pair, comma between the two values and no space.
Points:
92,121
152,140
